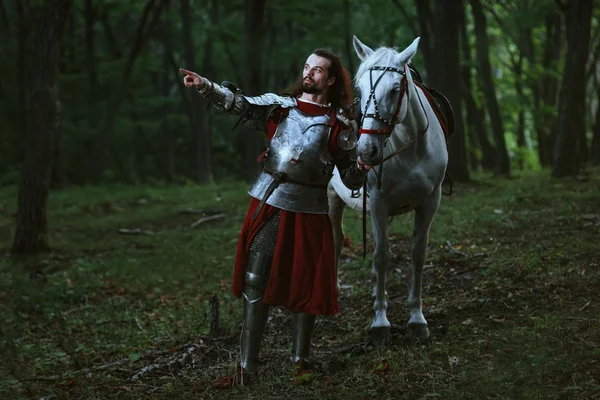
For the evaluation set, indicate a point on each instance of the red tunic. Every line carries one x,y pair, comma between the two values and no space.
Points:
303,277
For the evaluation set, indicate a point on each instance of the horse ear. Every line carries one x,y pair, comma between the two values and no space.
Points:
362,49
408,53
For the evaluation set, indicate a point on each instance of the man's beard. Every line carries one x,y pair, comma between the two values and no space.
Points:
310,87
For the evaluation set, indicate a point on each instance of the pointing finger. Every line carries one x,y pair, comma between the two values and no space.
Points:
185,71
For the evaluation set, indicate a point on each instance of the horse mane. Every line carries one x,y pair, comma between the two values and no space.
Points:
383,56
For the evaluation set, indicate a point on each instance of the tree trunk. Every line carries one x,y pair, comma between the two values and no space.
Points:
208,66
448,17
57,178
150,15
41,100
270,39
4,29
595,150
534,85
426,17
466,85
200,136
293,62
22,30
475,127
254,18
167,139
546,122
348,38
485,72
521,143
92,81
571,110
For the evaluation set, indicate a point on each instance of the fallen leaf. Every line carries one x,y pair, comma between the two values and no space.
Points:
134,356
453,360
467,321
382,367
301,375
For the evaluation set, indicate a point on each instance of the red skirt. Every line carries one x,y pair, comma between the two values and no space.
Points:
303,277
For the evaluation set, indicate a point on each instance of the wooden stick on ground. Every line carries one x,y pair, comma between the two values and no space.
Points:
206,219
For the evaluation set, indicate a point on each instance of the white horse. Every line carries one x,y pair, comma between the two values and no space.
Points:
401,135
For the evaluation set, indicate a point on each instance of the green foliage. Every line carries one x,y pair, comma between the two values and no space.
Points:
154,99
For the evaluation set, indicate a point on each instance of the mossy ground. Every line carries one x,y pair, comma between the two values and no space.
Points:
515,317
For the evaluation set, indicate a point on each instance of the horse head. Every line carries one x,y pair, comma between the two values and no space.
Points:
385,86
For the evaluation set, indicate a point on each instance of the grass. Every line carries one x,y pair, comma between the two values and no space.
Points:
517,317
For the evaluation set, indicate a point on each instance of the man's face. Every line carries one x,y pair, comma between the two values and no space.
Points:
315,78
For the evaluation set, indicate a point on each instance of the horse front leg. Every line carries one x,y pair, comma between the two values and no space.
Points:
381,327
417,324
336,214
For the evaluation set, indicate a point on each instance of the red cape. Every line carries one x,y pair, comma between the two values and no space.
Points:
303,277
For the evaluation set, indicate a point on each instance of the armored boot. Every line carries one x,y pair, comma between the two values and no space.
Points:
303,326
258,269
255,311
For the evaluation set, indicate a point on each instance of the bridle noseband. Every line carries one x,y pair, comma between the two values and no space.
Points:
392,122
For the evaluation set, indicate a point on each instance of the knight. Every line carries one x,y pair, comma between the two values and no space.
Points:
285,253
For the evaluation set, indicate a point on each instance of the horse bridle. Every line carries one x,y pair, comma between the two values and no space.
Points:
391,124
394,121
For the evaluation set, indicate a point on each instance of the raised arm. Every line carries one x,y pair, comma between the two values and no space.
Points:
253,111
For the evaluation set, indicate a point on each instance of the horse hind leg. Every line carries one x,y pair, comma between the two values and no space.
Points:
336,214
417,324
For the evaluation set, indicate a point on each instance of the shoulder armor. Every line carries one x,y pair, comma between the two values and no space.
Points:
271,99
340,115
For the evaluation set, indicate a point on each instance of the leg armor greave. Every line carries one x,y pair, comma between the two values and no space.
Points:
258,268
303,326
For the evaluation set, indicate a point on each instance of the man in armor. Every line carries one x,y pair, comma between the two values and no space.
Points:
285,254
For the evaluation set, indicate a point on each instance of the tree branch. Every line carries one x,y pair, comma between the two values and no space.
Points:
408,20
591,67
500,23
231,58
110,38
563,7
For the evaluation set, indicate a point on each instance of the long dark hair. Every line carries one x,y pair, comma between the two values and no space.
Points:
340,93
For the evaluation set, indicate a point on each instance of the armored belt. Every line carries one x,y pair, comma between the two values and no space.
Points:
279,178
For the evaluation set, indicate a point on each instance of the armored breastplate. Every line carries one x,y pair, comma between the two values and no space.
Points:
297,167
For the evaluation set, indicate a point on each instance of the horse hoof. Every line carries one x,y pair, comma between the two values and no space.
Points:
418,331
381,336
